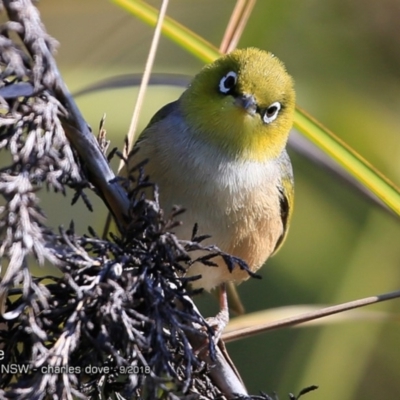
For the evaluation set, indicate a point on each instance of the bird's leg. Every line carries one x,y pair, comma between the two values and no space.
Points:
220,321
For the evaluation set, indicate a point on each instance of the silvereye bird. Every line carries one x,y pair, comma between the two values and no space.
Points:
219,152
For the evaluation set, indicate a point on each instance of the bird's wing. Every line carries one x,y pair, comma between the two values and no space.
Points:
286,190
161,114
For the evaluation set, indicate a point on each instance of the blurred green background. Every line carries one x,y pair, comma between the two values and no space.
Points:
345,59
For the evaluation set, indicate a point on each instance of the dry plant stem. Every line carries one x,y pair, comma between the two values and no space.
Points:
132,135
324,312
224,373
76,129
222,370
237,23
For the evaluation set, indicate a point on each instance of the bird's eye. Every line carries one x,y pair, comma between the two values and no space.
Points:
271,112
228,82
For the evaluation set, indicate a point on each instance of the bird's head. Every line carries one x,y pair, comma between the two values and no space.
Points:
243,103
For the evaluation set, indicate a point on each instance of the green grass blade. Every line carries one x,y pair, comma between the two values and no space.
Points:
357,166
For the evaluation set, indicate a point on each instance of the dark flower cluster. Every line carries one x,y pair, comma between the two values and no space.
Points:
116,321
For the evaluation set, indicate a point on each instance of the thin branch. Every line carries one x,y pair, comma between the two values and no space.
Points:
132,134
237,23
324,312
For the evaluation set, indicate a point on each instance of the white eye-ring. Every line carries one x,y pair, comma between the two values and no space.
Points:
228,82
271,112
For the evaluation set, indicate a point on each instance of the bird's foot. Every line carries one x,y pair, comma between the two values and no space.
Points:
218,323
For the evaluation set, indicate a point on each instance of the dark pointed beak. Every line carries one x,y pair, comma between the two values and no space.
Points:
248,102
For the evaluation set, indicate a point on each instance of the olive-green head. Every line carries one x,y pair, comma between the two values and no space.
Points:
243,103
